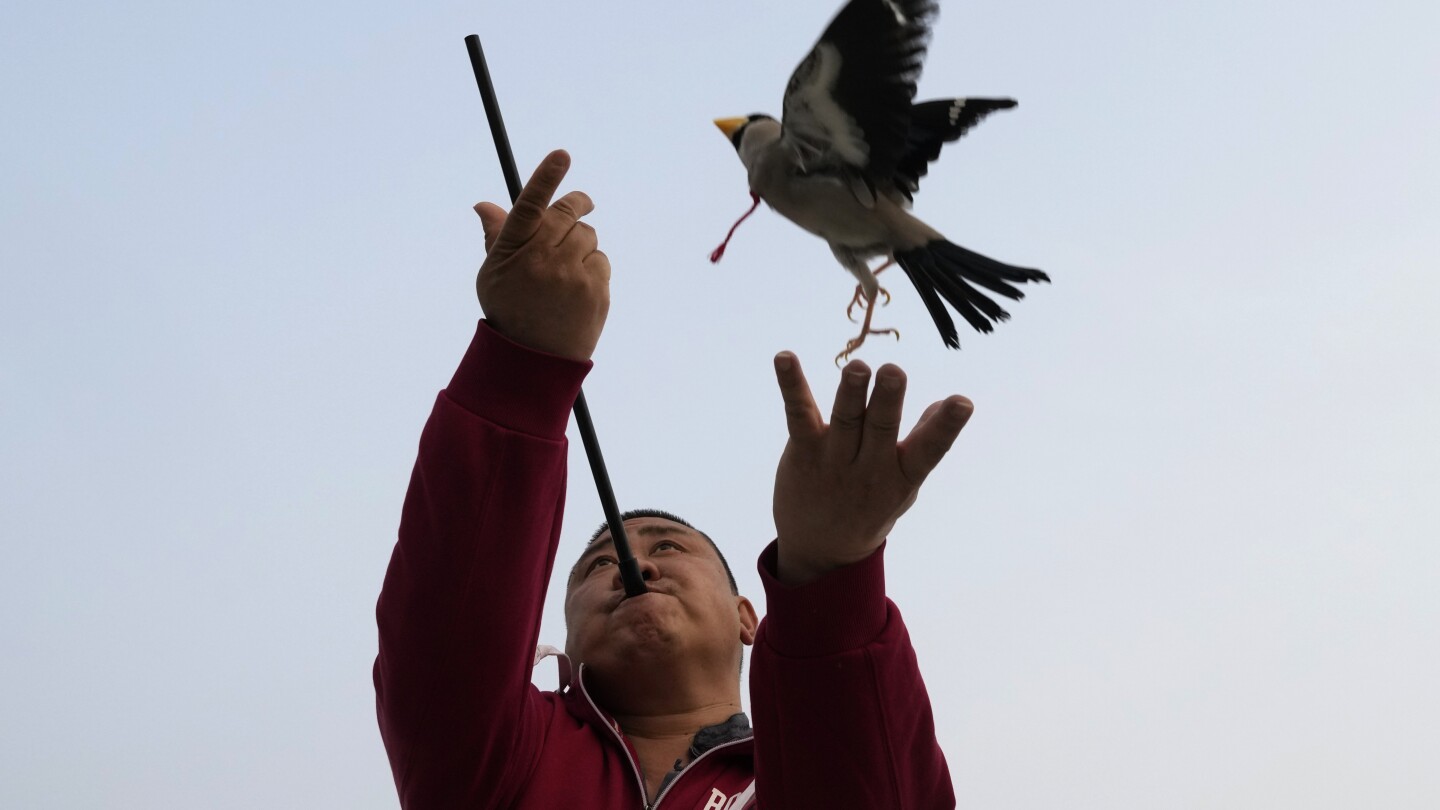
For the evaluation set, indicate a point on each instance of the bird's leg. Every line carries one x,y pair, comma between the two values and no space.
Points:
720,251
859,299
855,342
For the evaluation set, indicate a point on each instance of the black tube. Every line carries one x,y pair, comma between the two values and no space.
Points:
629,568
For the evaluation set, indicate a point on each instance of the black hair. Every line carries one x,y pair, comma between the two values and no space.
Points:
673,518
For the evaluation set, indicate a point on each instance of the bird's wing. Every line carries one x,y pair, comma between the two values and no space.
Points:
847,107
934,124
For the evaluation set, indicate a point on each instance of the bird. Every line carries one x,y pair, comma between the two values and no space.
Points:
845,160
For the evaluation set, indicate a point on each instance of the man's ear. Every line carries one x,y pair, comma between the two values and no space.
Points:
748,620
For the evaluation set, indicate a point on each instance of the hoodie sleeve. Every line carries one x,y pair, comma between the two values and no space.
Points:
842,718
459,613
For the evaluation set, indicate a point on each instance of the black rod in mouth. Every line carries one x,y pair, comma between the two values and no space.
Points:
629,568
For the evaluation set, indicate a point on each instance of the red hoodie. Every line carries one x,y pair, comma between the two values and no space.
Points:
841,716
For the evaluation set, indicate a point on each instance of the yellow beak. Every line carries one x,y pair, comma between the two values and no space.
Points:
729,125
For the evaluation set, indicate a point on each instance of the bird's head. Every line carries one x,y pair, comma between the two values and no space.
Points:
735,128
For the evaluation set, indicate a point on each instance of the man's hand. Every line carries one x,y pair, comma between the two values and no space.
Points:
544,284
841,487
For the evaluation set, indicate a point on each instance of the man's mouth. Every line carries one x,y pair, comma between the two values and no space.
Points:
622,598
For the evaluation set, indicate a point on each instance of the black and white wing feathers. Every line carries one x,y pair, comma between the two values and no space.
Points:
934,124
847,106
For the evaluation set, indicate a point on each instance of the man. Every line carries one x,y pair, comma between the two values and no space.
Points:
648,713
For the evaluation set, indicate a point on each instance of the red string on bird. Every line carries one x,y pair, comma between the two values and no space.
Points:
717,253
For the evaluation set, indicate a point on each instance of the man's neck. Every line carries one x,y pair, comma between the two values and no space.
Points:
677,724
661,694
661,703
662,741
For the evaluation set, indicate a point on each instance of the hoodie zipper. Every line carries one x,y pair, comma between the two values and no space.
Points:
681,775
635,768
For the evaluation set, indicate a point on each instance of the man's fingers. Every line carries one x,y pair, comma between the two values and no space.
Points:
932,437
802,418
579,241
574,205
598,262
928,414
847,418
882,417
492,219
529,210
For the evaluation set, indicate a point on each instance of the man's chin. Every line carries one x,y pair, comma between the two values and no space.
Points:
644,630
633,658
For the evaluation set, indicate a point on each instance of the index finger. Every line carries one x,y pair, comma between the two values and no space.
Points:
802,418
529,208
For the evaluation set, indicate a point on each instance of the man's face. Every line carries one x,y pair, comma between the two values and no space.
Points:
689,610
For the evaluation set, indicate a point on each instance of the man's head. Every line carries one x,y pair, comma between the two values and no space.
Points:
692,616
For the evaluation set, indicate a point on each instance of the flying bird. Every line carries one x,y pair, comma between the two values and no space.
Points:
846,159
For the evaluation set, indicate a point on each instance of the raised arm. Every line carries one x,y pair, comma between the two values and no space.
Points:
459,614
842,718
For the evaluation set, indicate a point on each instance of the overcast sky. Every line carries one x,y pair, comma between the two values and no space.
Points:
1184,555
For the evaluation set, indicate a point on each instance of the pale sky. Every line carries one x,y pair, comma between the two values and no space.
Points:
1184,556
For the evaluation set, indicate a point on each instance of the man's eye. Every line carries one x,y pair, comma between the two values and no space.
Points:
599,561
667,544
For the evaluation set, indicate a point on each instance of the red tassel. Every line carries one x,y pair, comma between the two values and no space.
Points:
720,251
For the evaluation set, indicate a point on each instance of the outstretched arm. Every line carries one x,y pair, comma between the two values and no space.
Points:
841,486
842,718
460,610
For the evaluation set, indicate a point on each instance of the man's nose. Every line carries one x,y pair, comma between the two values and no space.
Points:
648,572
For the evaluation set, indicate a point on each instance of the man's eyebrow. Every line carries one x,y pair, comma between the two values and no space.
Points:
607,540
651,528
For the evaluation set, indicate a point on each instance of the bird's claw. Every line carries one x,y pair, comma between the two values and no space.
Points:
860,301
855,343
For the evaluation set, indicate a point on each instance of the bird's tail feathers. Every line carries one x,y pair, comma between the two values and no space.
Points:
942,269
